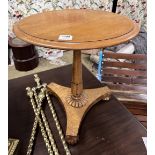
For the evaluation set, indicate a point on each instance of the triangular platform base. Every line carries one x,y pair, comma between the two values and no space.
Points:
75,113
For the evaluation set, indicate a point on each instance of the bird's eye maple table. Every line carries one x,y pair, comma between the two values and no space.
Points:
76,30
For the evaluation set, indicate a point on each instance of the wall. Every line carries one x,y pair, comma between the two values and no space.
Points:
134,9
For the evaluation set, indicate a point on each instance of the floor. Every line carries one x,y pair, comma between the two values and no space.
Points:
46,65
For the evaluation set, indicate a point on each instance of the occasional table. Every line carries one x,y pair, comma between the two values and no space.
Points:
76,30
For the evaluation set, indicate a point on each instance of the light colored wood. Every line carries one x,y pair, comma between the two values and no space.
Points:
77,98
77,83
75,115
89,28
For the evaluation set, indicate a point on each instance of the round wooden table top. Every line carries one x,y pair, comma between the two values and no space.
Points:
76,29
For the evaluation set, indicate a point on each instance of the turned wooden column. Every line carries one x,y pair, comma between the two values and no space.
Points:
77,83
77,98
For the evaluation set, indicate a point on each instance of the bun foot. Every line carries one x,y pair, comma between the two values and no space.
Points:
72,139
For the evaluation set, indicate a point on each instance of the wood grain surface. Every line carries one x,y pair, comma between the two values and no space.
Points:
135,70
89,28
128,81
108,129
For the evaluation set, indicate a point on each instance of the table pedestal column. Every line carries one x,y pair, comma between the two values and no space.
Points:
75,100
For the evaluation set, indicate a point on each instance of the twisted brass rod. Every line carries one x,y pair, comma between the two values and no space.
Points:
57,124
37,119
47,128
44,126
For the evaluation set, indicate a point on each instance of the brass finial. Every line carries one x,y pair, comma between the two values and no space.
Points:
29,92
37,80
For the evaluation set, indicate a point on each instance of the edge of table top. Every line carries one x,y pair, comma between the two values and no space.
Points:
77,45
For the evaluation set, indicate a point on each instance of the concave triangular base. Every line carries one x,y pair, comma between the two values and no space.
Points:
76,114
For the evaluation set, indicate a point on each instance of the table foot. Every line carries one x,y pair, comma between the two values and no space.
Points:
72,139
75,114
